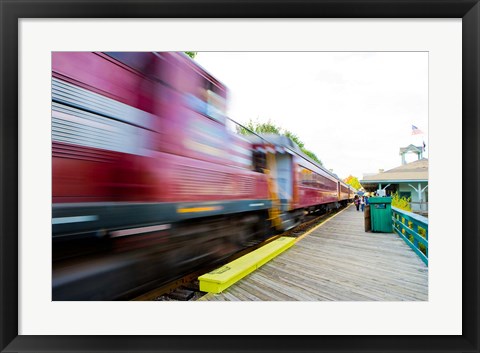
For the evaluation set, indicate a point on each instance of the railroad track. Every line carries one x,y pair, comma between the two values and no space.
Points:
187,288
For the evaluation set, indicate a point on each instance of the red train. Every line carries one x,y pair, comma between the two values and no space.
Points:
148,181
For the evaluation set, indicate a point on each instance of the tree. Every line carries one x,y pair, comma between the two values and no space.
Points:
311,155
294,138
353,181
191,54
270,128
259,128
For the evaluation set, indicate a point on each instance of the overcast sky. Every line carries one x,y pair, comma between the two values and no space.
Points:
354,110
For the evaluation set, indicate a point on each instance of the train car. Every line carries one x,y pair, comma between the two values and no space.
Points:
300,184
344,192
146,178
351,193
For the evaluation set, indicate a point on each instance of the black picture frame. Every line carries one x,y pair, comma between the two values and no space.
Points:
12,11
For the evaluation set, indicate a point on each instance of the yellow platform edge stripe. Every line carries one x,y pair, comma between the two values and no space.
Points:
221,278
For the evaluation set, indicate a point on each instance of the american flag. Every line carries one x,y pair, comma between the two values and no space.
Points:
416,130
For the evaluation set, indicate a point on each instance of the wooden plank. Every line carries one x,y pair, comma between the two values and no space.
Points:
338,261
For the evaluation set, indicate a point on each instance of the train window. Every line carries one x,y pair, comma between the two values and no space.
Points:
216,106
259,161
329,184
323,183
309,178
207,100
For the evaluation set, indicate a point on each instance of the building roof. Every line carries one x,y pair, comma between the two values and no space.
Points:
414,171
411,148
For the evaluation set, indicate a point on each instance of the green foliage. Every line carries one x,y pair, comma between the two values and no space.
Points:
271,128
294,138
421,231
353,181
262,128
300,144
311,155
191,54
402,203
259,128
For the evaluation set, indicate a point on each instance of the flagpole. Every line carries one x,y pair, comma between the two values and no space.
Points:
418,140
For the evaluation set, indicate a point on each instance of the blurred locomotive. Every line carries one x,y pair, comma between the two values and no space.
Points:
148,181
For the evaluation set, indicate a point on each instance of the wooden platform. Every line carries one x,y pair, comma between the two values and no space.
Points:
338,261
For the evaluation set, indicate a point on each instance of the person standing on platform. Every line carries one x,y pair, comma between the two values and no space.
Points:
362,203
357,201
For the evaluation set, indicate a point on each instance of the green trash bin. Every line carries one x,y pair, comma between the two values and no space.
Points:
381,214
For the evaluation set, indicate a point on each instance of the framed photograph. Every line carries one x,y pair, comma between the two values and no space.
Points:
37,36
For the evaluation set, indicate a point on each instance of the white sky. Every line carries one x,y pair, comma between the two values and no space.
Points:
354,110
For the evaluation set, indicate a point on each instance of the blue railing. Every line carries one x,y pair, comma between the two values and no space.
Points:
413,229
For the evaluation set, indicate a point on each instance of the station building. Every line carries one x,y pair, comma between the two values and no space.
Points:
409,180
